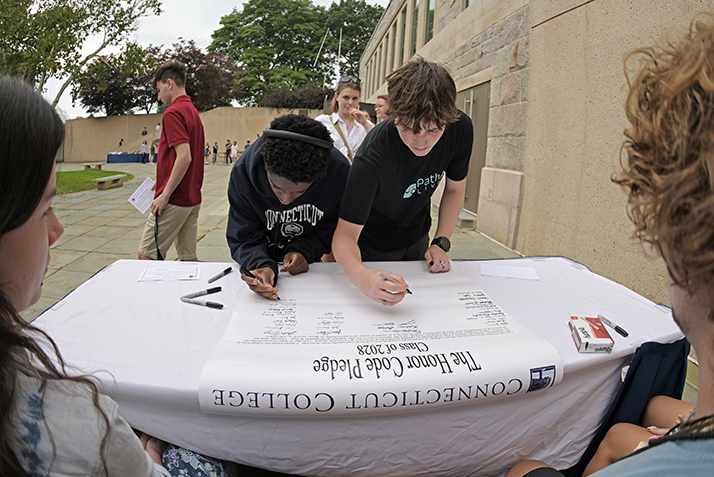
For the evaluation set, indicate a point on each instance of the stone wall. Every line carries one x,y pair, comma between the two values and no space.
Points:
576,119
91,139
503,49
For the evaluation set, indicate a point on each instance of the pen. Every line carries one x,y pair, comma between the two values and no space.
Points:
203,292
621,331
390,279
222,274
248,274
209,304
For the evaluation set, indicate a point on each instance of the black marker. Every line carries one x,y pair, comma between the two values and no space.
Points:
203,292
390,279
621,331
247,273
222,274
209,304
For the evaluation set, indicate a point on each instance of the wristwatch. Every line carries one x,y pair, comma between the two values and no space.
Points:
442,242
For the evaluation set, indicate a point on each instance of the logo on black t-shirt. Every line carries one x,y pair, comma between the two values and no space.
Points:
422,184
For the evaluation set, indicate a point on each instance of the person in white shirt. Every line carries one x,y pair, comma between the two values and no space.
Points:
348,126
234,151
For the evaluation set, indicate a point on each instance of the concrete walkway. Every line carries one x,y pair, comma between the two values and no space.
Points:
101,227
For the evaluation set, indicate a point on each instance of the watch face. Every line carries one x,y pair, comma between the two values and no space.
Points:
442,242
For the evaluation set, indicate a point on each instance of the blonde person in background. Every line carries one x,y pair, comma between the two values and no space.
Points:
348,126
234,151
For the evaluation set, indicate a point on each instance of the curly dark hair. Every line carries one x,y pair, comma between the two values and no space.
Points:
422,92
669,168
294,160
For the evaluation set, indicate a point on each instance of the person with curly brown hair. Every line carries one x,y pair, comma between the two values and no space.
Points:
668,174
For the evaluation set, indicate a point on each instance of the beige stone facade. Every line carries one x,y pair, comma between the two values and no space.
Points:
554,71
91,139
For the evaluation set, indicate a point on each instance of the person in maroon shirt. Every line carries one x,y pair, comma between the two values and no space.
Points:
179,171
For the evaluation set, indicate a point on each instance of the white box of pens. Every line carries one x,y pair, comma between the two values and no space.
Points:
590,335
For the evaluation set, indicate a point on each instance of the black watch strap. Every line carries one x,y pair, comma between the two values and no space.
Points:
442,242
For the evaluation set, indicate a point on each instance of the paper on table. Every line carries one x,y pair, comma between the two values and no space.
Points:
192,272
525,273
143,196
324,343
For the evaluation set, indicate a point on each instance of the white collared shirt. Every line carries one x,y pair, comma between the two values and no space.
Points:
354,139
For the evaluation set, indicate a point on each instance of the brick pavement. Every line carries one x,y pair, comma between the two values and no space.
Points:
102,227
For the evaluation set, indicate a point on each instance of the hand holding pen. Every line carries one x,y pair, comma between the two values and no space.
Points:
258,280
389,289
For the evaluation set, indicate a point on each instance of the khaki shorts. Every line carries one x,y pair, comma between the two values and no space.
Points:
176,223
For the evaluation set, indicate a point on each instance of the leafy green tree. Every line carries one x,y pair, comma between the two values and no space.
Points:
276,42
357,20
306,97
43,39
213,80
117,84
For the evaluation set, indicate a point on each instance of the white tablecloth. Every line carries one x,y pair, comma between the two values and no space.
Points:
148,349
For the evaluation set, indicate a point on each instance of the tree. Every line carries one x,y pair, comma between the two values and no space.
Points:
357,20
276,42
212,80
43,39
117,84
306,97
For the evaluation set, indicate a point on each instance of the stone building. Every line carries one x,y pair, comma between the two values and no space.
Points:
543,81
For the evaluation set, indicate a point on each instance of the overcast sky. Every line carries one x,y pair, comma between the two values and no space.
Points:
187,19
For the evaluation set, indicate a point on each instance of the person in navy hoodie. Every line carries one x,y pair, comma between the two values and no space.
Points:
285,192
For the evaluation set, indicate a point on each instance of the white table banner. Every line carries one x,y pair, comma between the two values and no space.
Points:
325,349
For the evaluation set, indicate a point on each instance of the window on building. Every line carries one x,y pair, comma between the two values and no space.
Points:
393,65
404,36
468,3
415,27
430,20
385,58
379,67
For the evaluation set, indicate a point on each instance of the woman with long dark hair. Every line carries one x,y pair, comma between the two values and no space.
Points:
50,423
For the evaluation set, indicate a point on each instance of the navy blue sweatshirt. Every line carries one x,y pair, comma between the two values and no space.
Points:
261,230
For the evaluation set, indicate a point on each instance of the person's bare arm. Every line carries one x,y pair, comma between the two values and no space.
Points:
183,160
449,209
367,280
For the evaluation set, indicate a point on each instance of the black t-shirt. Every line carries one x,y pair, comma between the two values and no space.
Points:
389,188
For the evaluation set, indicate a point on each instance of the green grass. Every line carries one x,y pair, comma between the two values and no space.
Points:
76,181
